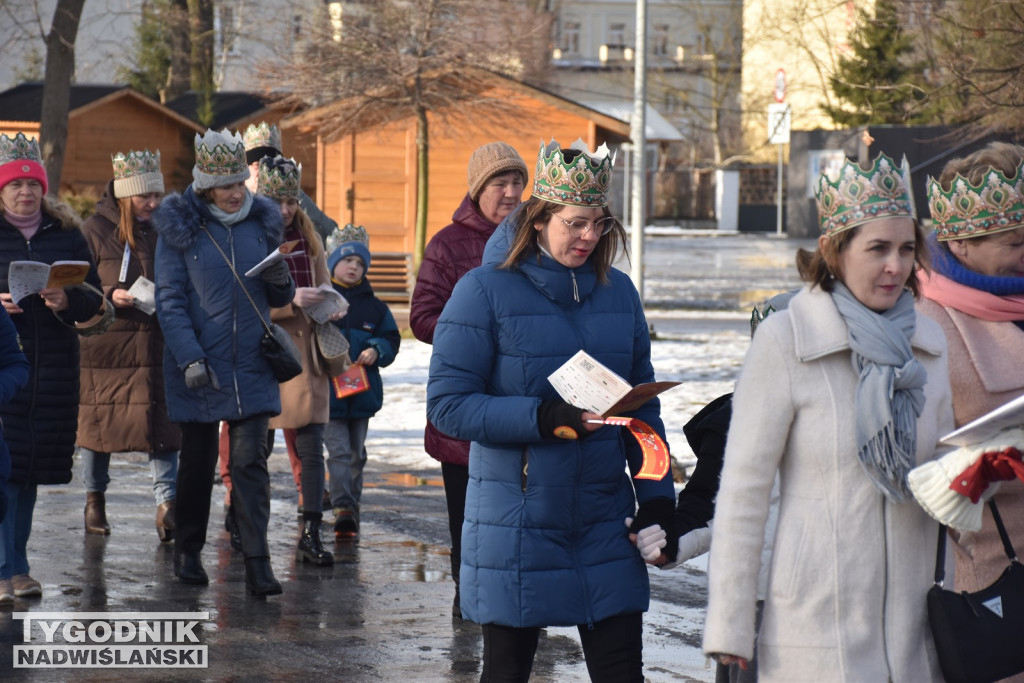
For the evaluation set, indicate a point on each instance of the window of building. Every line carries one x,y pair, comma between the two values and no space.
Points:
617,33
571,38
659,40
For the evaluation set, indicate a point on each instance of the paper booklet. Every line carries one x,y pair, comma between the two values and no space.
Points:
332,303
29,277
286,249
585,383
144,293
988,425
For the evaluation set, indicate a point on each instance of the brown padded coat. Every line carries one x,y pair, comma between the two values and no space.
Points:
122,404
304,399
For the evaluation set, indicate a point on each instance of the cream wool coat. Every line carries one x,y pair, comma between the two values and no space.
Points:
850,570
986,370
304,399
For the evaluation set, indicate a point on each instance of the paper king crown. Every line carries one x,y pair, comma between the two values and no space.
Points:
858,196
279,178
137,173
581,181
19,148
262,135
997,204
220,160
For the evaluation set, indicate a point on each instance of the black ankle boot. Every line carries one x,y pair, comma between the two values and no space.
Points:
311,548
259,577
188,567
231,526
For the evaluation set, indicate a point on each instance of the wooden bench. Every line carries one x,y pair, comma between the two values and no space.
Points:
391,276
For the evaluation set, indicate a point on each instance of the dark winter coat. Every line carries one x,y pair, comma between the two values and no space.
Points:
544,540
452,252
14,371
204,313
122,404
368,323
41,420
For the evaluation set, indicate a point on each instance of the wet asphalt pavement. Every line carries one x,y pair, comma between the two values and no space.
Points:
383,611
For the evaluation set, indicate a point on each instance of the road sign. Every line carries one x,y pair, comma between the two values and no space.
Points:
780,85
779,117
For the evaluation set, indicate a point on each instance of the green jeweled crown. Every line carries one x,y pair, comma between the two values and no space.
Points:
220,160
19,148
262,135
279,178
350,233
583,181
857,196
966,210
135,163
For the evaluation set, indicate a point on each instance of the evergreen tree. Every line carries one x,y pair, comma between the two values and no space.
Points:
880,82
151,51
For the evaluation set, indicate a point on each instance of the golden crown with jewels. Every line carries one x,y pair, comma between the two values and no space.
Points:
574,176
856,196
966,210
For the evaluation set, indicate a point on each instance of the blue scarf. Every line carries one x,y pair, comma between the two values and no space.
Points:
944,263
890,389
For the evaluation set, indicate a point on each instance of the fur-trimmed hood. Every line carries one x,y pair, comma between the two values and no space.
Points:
180,217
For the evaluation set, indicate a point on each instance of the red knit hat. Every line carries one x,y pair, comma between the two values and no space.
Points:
20,158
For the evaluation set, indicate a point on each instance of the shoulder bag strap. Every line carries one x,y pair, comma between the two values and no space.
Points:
1003,536
940,552
240,282
940,557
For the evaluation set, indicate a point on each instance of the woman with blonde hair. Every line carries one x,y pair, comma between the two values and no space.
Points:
122,399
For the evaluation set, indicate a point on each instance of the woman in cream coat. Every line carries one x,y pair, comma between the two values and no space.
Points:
854,554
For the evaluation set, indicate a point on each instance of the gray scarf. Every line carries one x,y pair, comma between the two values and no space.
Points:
890,389
229,219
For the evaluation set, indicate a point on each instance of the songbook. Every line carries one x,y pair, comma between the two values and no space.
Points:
28,277
586,383
1008,415
351,382
286,249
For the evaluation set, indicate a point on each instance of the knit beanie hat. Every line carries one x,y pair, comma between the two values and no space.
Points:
220,160
261,140
20,158
137,173
490,160
357,243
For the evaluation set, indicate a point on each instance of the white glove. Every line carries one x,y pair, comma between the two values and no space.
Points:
650,540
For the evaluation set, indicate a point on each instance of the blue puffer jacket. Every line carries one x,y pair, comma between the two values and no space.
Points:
204,313
544,540
368,323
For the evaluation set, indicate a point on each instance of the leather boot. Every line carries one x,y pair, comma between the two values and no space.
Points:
188,567
311,547
165,521
259,577
96,514
231,526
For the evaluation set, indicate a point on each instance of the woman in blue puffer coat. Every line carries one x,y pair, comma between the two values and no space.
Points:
213,367
544,541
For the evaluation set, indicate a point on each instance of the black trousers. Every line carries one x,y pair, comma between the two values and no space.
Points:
613,649
456,480
250,492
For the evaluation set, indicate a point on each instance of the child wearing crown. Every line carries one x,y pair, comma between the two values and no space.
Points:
975,291
840,395
546,540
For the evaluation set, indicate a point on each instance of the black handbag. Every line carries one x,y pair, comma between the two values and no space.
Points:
978,635
276,345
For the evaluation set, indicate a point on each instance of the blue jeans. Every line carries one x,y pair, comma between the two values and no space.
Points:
163,466
346,456
15,529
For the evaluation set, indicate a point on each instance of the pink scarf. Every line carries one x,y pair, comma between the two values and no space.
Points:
26,224
974,302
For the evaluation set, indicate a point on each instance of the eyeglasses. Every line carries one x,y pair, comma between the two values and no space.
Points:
579,226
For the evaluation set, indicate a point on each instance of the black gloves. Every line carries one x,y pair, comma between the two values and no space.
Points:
560,420
198,374
277,274
660,511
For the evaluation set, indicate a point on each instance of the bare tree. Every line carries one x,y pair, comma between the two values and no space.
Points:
981,58
400,59
60,66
